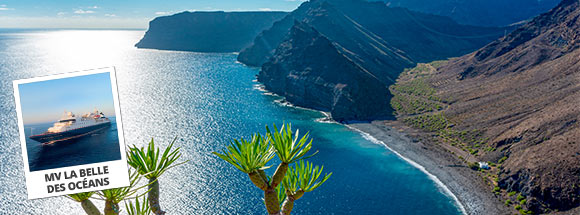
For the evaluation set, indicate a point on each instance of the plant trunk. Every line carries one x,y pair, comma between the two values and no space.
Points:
258,180
279,174
90,208
264,177
271,201
287,205
153,196
111,208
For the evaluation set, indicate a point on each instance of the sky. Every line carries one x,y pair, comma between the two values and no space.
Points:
118,13
46,101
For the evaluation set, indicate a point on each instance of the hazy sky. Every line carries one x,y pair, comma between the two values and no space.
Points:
46,101
117,13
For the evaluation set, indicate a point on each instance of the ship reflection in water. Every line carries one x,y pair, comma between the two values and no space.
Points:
99,143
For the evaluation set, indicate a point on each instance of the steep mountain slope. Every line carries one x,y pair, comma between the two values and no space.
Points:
207,31
371,42
523,92
480,12
265,43
357,43
422,37
300,72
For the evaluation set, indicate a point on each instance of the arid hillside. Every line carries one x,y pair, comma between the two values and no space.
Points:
515,103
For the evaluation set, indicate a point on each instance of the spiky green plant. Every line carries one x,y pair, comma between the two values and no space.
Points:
252,157
112,197
86,203
248,156
301,178
139,208
281,191
145,164
151,164
289,147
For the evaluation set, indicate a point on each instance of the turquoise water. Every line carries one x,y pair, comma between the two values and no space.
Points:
205,100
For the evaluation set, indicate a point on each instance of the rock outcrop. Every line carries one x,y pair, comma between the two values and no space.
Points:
311,71
207,31
378,41
421,37
523,91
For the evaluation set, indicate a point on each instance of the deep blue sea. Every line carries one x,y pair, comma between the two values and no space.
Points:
205,100
100,146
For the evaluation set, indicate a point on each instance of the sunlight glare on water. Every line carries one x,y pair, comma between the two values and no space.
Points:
204,100
83,49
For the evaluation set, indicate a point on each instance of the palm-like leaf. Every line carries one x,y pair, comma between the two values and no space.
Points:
86,203
117,195
139,208
147,161
303,176
248,156
281,191
289,147
79,197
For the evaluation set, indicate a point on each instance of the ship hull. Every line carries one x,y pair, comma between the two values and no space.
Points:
49,138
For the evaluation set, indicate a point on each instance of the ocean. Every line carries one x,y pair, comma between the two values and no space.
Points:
205,100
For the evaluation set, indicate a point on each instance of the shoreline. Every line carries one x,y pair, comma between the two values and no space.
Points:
463,185
469,193
432,177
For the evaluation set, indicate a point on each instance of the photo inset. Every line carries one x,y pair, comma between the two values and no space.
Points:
70,120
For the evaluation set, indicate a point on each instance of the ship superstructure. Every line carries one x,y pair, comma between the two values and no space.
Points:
70,126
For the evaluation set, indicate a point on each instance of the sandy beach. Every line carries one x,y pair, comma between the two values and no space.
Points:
473,194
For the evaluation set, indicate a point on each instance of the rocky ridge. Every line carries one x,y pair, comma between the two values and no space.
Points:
355,31
207,31
516,102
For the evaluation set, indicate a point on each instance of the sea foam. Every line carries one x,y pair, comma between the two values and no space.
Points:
434,178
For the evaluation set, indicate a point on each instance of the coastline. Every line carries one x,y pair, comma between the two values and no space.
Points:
451,175
448,172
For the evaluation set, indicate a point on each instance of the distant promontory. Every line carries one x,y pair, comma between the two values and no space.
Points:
207,31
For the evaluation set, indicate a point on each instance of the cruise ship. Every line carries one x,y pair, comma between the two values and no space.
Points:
70,127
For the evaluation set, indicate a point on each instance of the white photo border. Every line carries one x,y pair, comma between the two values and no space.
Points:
119,175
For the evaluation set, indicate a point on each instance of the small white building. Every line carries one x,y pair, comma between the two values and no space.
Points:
483,165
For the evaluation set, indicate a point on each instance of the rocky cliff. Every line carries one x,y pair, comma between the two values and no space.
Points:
378,40
521,96
207,31
311,71
421,36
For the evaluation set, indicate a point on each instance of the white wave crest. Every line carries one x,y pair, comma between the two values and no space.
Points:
434,178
